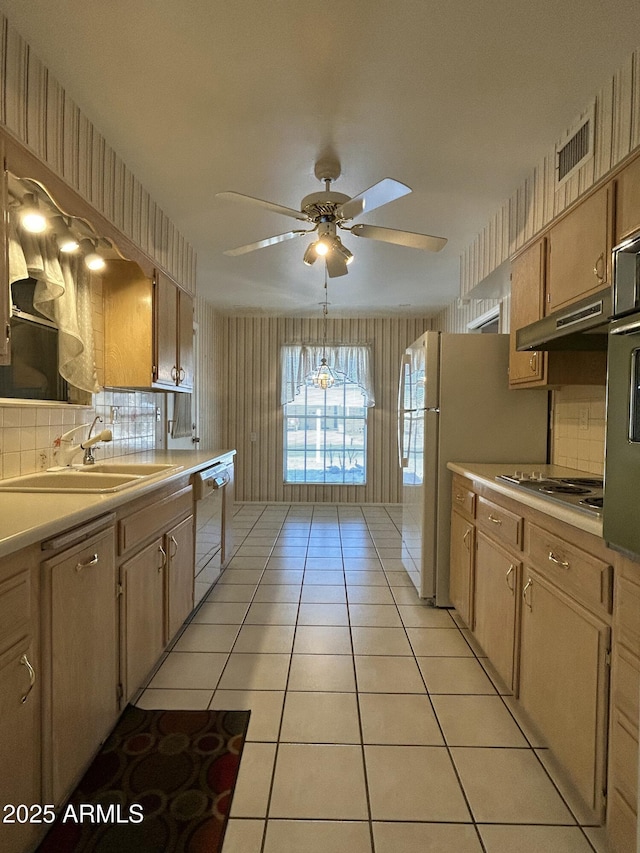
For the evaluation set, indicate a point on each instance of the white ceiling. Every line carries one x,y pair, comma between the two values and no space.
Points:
458,99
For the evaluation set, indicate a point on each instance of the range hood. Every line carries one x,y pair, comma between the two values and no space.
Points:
581,326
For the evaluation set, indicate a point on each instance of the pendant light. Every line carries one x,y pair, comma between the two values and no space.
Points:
324,376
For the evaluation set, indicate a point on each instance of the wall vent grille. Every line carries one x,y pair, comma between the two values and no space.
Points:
575,148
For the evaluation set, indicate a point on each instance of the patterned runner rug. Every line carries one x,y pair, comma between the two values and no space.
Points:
162,783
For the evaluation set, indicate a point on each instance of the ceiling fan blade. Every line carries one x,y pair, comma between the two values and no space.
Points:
268,205
336,266
381,193
269,241
400,238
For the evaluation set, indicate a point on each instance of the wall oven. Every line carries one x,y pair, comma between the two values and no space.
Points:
621,516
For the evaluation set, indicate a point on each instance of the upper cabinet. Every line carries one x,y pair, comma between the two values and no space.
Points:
628,201
148,330
579,251
529,274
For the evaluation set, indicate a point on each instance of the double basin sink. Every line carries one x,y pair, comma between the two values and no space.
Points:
87,479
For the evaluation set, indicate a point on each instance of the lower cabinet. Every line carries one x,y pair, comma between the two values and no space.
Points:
496,607
564,683
20,780
461,566
142,629
80,645
179,574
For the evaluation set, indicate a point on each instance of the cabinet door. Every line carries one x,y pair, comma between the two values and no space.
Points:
527,306
185,341
628,201
180,572
579,251
497,582
19,744
564,683
166,324
142,616
461,566
81,659
5,350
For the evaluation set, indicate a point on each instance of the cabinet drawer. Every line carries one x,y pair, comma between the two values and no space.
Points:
580,574
628,613
501,523
462,498
15,609
626,684
155,518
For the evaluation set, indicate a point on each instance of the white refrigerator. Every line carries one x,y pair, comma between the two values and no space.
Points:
455,405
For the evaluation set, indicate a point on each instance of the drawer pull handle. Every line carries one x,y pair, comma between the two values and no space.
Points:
533,362
598,269
164,558
92,562
558,561
24,661
510,571
460,498
495,519
528,584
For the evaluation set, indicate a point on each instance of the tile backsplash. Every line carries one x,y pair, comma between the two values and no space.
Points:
30,433
578,430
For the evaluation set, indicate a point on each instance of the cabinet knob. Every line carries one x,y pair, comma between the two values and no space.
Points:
24,661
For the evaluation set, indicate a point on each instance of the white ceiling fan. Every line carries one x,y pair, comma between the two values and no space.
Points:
329,211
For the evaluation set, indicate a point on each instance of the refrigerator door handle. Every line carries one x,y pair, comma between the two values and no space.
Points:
403,460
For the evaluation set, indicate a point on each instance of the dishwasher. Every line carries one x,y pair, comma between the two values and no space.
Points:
212,513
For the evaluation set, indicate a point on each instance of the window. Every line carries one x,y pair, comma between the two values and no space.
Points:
325,431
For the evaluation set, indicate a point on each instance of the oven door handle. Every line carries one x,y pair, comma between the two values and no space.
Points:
626,327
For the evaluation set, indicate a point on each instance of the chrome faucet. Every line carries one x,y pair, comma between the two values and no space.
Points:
88,457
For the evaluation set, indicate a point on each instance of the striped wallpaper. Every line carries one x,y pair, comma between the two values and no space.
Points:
536,202
36,110
247,368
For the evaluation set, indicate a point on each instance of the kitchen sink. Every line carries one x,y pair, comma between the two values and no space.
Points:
146,469
69,481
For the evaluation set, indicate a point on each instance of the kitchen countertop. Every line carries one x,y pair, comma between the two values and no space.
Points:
29,517
486,473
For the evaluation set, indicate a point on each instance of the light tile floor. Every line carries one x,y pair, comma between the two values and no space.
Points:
376,726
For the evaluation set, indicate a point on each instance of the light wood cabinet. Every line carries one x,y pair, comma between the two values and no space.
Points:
20,695
564,682
579,251
148,330
541,369
622,800
5,340
461,566
174,335
80,640
179,546
527,306
496,606
628,200
142,626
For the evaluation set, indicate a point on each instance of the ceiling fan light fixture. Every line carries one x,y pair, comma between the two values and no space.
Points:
340,249
322,247
310,256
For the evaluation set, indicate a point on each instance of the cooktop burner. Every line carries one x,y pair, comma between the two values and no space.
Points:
583,493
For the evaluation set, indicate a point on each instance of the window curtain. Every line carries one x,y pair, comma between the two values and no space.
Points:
350,363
